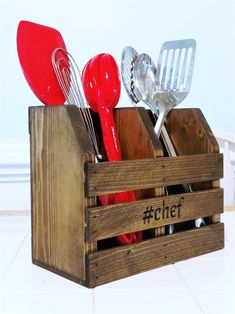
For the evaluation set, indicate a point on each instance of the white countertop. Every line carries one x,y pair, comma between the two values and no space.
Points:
205,284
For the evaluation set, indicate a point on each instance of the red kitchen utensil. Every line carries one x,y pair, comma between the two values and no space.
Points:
102,86
35,44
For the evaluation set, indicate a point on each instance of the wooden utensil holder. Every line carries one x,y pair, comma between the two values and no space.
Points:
68,225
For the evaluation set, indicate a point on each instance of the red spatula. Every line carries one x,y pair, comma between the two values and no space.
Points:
35,44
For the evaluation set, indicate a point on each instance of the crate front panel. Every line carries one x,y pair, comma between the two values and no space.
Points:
112,264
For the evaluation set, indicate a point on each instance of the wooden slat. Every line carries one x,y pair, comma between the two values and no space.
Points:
141,174
108,265
107,221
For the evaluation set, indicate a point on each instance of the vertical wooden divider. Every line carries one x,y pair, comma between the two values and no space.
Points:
138,141
191,134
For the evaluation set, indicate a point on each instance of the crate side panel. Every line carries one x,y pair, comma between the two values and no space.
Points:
57,190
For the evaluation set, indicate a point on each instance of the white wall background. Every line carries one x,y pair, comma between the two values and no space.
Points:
91,27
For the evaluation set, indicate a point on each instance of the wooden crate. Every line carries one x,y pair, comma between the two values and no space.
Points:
69,229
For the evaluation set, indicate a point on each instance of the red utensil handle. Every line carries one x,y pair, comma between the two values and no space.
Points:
113,151
110,138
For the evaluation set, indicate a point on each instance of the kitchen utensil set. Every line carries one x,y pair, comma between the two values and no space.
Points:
54,77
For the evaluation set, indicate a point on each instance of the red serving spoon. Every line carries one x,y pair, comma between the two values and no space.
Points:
102,86
35,44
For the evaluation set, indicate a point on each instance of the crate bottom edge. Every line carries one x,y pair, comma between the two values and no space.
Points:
60,272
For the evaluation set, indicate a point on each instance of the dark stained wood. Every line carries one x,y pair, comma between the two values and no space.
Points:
138,141
127,261
191,134
66,223
139,174
107,221
59,147
136,133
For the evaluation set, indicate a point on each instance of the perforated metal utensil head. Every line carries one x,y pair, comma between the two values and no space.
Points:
174,75
175,65
145,78
128,59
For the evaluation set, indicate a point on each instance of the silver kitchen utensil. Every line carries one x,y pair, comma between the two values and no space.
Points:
128,59
69,78
146,82
173,76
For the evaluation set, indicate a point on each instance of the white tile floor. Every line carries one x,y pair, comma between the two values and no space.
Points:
200,285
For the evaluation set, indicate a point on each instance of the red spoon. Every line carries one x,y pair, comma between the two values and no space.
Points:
102,86
35,44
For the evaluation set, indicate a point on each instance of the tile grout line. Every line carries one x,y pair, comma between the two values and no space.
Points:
188,288
15,255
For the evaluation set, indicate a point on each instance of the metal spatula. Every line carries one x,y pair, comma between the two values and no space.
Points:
174,75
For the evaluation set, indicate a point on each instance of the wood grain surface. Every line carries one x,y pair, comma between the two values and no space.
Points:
121,262
66,221
138,141
107,221
149,173
59,148
198,138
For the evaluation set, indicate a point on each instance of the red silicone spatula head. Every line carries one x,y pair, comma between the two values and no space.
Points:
35,44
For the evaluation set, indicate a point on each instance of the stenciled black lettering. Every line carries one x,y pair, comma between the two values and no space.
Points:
164,212
157,215
148,214
180,204
173,210
165,209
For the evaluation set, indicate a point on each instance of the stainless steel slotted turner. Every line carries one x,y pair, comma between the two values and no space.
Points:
174,76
